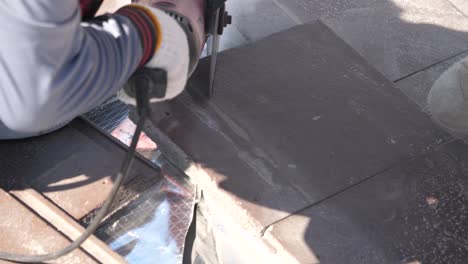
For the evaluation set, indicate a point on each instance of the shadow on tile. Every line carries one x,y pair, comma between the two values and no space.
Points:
299,118
398,37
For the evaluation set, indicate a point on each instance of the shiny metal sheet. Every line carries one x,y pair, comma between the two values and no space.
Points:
152,228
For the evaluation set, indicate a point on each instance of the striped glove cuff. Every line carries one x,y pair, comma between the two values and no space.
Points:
148,29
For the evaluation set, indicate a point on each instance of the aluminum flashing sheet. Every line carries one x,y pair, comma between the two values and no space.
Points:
154,222
153,227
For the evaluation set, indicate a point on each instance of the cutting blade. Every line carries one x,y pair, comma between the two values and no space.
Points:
214,49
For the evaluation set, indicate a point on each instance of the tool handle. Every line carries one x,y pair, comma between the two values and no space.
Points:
146,84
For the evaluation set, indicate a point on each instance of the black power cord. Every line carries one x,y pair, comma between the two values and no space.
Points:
141,94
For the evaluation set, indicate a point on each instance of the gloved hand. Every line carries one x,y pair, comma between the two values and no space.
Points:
171,53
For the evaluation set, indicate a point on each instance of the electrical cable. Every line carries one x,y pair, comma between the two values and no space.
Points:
143,112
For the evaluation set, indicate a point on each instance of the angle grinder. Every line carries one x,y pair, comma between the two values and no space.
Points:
200,20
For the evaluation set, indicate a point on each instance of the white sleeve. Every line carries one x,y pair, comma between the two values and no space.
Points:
54,68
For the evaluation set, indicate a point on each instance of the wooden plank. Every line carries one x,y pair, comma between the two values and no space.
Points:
73,167
67,225
23,232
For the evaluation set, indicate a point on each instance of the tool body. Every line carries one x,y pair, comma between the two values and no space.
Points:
200,19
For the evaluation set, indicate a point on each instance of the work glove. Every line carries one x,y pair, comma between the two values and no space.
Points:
170,52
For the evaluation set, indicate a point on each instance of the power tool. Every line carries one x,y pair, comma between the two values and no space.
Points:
200,20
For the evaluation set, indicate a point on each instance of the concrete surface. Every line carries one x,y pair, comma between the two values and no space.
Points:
398,37
416,212
461,5
418,85
256,19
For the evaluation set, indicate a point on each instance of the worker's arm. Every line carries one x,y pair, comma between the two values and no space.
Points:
54,68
